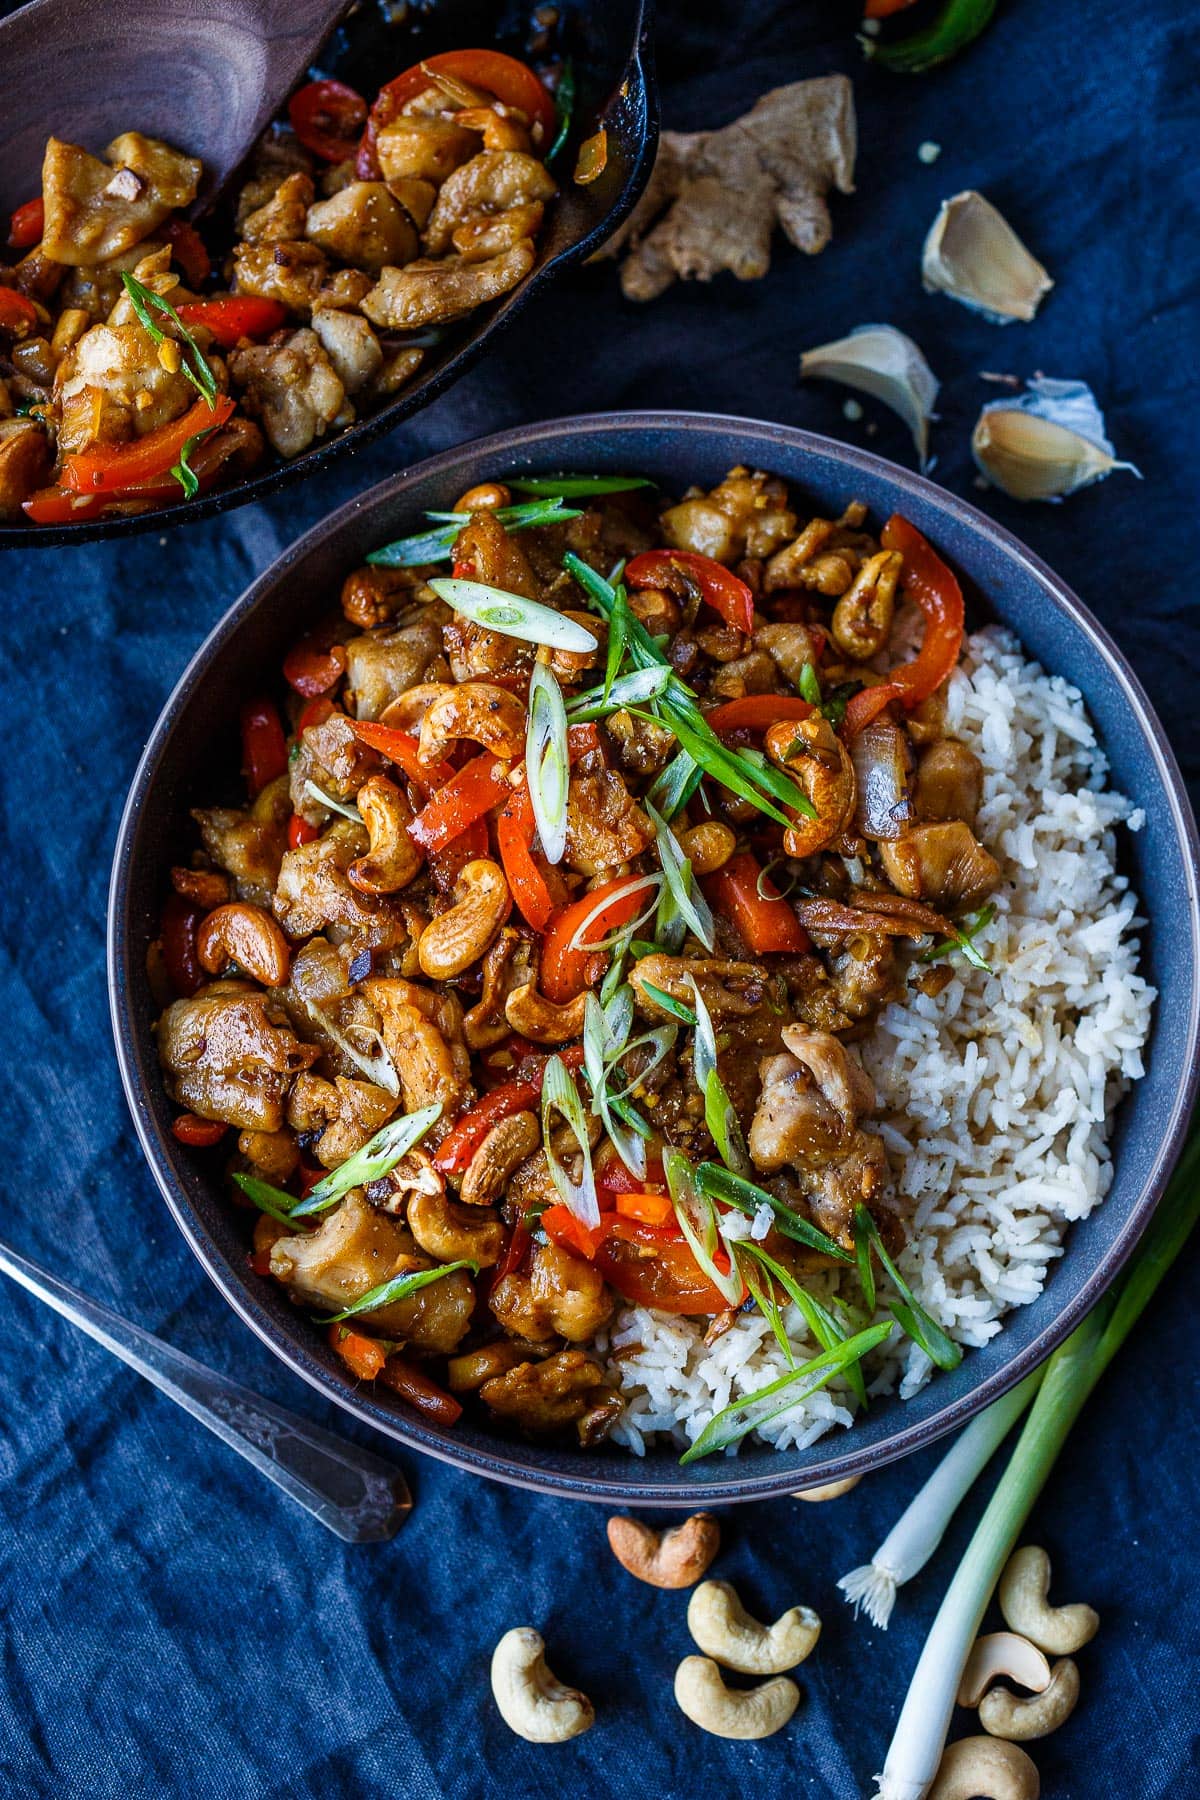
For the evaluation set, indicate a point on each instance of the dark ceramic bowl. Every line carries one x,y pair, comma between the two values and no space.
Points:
610,43
1002,580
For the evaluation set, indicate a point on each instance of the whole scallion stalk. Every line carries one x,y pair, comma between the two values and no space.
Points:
1071,1374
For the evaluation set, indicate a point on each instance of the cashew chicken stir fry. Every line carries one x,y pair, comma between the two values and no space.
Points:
141,362
529,968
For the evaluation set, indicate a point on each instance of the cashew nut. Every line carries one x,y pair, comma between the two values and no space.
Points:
479,710
457,938
667,1559
393,859
245,935
504,1148
1024,1585
407,710
733,1712
532,1701
486,496
1006,1715
724,1629
1002,1653
820,765
451,1233
707,846
831,1490
862,618
535,1017
984,1768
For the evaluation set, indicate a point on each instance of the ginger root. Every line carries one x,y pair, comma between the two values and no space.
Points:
714,197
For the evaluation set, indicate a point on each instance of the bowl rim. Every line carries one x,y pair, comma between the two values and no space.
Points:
503,1462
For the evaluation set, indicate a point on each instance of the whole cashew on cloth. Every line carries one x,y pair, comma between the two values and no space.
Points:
715,197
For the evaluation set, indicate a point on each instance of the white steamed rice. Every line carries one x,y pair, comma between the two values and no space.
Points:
995,1098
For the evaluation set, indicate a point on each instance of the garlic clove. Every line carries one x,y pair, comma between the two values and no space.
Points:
1048,443
883,362
973,254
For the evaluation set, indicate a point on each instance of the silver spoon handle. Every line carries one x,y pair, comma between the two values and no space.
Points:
358,1495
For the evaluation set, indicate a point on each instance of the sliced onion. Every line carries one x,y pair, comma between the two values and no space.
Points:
378,1067
547,766
324,799
378,1156
579,938
882,806
559,1094
512,615
661,1041
704,1046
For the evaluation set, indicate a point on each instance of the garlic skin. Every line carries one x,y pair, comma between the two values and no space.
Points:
973,254
883,362
1046,444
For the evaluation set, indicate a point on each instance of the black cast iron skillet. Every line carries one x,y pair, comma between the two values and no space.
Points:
611,48
192,759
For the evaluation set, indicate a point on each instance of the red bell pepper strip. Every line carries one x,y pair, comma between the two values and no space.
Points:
527,883
613,1178
18,314
364,1356
509,80
925,579
425,1395
402,748
315,712
114,468
313,668
740,891
651,1209
567,971
470,793
57,506
650,1269
515,1251
197,1133
27,224
300,832
180,920
722,589
189,250
264,747
463,1139
883,9
560,1224
328,117
232,317
756,712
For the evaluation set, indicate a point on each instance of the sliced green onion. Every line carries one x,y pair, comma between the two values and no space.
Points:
564,106
809,685
908,1313
547,767
183,471
820,1321
634,689
834,705
862,1257
747,1196
674,786
639,947
964,940
575,487
512,615
633,1118
637,884
377,1066
678,1008
438,545
398,1288
724,1126
764,1300
690,904
378,1156
758,1409
697,1217
615,973
618,639
327,800
268,1199
661,1041
951,30
559,1094
704,1049
143,299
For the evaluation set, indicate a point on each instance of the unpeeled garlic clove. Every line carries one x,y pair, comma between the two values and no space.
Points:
1047,443
883,362
973,254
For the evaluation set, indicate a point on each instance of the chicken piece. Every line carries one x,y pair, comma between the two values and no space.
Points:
752,674
363,225
275,1155
290,272
344,1111
356,1249
351,346
314,891
561,1296
277,154
293,388
385,665
949,782
24,465
228,1053
112,388
371,595
729,989
282,219
813,1095
422,149
94,209
493,182
487,235
435,292
249,845
605,825
423,1034
744,515
790,648
331,756
865,975
567,1389
944,863
806,563
642,746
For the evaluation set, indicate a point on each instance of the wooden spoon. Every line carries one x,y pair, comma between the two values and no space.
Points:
205,75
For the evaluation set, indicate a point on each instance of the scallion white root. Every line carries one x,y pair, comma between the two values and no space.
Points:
922,1526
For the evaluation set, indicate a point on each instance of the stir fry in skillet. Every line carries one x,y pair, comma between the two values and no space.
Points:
140,363
532,959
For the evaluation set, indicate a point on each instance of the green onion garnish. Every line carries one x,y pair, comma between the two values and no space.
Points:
810,687
327,800
143,300
669,1003
748,1197
564,106
513,615
820,1321
908,1313
634,689
575,487
697,1219
183,471
547,769
559,1094
398,1288
964,940
378,1157
438,545
268,1199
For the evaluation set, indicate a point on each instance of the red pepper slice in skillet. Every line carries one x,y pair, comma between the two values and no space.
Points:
114,468
27,224
509,80
328,117
232,317
720,587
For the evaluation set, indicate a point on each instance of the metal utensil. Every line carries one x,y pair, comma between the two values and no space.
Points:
359,1496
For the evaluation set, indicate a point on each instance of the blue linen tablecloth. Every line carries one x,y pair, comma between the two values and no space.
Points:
168,1624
